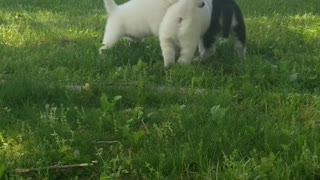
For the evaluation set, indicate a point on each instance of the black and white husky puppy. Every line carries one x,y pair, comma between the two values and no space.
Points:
226,21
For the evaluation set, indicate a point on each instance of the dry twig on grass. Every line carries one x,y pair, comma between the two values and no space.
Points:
106,142
4,78
22,171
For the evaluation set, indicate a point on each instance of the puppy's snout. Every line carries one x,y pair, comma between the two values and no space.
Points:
201,5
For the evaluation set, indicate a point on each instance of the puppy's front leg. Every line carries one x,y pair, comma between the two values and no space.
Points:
111,36
205,53
102,49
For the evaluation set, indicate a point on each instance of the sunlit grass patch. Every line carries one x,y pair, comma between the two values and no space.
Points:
24,28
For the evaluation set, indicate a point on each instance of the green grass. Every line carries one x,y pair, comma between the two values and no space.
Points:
227,119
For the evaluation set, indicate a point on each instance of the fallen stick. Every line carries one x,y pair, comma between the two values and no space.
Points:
4,78
106,142
55,167
2,81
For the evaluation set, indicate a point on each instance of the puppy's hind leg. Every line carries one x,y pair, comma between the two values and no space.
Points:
239,35
187,54
239,42
168,52
111,36
188,49
240,48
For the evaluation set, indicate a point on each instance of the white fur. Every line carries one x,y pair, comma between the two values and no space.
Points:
182,28
135,19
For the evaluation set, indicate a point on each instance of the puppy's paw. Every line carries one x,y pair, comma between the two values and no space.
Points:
197,59
168,64
102,49
183,61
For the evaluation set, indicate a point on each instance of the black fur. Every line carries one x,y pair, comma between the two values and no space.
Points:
225,9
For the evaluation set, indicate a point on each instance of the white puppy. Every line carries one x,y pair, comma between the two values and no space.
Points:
135,19
183,27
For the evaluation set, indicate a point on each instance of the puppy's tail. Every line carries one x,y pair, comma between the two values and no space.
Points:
110,5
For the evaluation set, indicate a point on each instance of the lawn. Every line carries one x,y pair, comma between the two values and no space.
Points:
67,112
